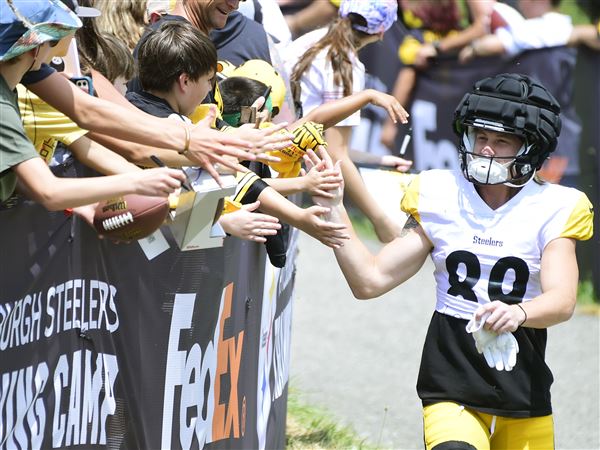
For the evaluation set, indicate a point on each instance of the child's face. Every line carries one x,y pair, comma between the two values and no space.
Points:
196,92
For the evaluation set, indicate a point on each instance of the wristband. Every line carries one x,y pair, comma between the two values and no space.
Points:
186,147
68,212
524,312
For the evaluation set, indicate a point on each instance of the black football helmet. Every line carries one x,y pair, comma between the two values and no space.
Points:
515,104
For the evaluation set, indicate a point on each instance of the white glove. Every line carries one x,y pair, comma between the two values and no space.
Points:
499,350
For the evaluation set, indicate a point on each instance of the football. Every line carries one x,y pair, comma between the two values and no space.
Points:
130,217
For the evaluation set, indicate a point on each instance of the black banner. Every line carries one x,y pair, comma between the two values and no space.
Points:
102,348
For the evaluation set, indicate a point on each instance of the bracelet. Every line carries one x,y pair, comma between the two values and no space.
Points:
186,147
68,212
524,312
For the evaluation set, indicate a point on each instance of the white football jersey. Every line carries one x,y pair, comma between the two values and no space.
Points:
481,254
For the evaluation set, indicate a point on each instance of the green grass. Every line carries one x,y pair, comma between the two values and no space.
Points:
571,8
585,293
309,427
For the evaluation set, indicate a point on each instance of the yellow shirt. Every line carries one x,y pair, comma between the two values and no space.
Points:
44,125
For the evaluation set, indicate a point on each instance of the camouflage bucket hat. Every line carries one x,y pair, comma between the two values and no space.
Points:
27,24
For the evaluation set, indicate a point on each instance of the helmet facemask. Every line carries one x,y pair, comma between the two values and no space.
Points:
511,171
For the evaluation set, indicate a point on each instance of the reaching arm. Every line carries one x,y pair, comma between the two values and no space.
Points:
205,145
308,220
139,153
100,158
369,275
59,193
487,45
331,113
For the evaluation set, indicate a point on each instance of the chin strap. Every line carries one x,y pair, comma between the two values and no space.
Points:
509,184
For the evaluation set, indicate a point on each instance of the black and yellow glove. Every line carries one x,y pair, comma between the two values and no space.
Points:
309,135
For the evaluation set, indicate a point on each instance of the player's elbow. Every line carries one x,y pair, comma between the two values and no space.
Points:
568,309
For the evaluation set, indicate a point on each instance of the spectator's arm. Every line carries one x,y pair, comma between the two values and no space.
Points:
139,153
487,45
588,35
56,193
205,146
481,11
331,113
99,158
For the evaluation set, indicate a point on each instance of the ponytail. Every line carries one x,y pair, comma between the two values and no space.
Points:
342,40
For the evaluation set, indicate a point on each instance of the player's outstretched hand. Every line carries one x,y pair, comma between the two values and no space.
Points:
250,225
329,233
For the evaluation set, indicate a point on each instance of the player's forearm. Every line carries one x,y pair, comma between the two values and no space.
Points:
354,259
559,277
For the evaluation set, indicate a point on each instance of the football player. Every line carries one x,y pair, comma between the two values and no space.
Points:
503,244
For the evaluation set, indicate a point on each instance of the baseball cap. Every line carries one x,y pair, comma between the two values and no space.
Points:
81,11
379,14
32,23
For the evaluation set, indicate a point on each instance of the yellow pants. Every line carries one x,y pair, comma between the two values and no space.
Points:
450,426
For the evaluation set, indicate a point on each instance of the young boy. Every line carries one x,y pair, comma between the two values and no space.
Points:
241,92
176,65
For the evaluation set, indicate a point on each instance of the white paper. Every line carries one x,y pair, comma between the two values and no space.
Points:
154,245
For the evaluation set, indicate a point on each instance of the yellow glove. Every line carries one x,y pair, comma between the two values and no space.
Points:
309,135
231,206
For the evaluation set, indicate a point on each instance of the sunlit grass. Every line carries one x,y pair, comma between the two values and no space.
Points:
309,427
